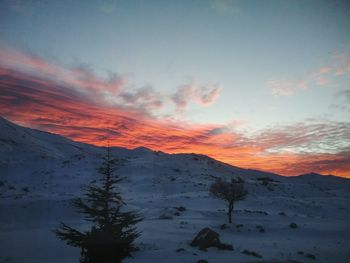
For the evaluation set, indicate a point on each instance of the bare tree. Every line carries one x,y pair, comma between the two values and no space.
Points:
230,192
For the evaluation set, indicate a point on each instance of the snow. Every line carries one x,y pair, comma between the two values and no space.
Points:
41,172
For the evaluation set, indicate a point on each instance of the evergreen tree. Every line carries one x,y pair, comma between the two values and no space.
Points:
112,234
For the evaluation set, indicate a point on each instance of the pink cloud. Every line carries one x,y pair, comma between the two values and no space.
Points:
112,89
284,87
342,63
323,76
40,100
82,78
204,95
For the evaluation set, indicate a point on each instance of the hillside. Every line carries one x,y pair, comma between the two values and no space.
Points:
41,172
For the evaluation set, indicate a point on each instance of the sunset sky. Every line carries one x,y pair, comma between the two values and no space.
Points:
257,84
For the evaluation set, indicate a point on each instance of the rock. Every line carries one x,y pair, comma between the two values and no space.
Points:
293,225
209,238
312,256
202,261
206,238
282,214
251,253
260,228
181,208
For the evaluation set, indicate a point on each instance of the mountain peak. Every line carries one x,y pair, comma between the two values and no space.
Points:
313,174
142,148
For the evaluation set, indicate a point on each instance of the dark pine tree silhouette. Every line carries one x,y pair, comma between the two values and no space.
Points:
111,236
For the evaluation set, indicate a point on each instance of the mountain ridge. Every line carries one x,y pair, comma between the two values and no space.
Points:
47,144
40,174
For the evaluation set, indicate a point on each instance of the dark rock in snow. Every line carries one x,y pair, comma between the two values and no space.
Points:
206,238
251,253
312,256
180,208
209,238
282,214
260,228
293,225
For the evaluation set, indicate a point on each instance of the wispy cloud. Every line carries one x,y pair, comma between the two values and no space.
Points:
286,87
342,101
323,76
80,77
113,89
342,62
204,95
314,136
345,94
69,107
146,97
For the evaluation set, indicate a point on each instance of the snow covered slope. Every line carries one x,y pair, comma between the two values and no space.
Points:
41,172
22,144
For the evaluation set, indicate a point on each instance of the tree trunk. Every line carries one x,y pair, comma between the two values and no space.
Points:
229,212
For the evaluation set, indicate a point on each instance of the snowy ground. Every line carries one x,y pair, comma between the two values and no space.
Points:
40,173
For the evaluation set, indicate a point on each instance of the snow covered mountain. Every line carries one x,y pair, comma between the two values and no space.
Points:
41,172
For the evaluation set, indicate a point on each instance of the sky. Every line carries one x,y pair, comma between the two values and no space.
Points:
256,84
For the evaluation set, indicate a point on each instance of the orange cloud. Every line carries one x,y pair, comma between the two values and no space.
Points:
44,103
